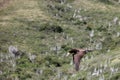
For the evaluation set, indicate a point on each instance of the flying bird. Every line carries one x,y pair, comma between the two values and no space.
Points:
77,56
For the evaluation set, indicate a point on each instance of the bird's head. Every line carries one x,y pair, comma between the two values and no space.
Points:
72,51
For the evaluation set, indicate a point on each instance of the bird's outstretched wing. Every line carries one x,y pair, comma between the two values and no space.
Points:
76,61
73,51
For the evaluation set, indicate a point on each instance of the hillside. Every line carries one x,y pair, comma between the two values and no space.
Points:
44,30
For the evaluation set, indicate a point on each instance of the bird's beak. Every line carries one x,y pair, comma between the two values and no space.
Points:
68,54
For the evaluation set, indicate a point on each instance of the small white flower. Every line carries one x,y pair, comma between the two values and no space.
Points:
31,57
1,72
115,20
91,33
118,34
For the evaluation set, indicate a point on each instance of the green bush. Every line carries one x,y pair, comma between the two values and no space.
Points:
49,27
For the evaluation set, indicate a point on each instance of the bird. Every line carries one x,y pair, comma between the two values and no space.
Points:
77,56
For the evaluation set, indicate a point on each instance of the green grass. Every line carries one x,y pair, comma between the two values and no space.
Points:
39,26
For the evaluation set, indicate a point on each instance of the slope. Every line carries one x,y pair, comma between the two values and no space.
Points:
44,30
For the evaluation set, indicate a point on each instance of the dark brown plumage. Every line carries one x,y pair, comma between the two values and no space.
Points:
77,56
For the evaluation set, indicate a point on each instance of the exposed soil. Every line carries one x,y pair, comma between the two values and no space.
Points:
4,3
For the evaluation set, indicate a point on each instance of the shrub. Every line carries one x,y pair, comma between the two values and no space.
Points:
49,27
